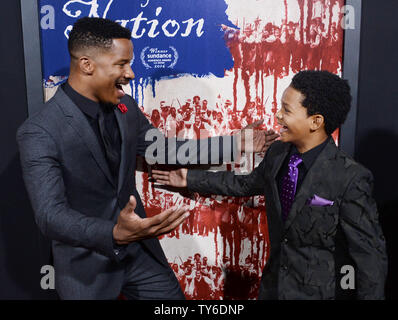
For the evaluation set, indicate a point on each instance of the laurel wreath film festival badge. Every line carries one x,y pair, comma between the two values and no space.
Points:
159,58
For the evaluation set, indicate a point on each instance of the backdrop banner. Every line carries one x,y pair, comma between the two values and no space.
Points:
209,66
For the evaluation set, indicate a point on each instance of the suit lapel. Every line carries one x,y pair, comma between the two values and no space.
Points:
121,120
310,185
78,121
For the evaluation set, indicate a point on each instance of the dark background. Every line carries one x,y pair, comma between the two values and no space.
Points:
23,250
377,119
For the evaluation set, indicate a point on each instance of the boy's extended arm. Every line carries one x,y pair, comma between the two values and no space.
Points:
227,183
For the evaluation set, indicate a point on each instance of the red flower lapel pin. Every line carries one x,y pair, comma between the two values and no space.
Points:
122,107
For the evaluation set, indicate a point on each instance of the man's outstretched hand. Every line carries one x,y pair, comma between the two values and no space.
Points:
174,178
254,139
131,227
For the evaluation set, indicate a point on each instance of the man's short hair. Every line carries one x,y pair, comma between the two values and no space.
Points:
326,94
95,32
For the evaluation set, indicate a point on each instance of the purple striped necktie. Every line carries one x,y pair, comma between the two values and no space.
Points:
289,185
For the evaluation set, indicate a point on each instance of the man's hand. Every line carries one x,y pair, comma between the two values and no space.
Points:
174,178
253,139
131,227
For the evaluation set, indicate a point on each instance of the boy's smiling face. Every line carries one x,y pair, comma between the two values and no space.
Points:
297,126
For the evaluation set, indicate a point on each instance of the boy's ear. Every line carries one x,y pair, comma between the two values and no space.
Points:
317,121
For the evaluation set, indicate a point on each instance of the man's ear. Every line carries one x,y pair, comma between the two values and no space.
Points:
86,65
317,121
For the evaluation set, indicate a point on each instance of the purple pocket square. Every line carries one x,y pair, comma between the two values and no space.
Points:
318,201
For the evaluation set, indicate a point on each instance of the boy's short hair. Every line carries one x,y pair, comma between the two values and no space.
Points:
95,32
326,94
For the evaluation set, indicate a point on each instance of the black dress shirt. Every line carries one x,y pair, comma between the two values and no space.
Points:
91,111
308,159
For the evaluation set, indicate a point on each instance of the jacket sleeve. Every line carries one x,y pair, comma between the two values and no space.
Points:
366,244
43,178
156,148
227,183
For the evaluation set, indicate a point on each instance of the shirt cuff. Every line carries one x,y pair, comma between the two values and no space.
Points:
119,250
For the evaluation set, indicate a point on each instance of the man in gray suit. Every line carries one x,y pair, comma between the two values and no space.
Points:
322,220
78,158
79,186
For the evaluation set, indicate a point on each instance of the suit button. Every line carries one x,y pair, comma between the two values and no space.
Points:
284,267
285,240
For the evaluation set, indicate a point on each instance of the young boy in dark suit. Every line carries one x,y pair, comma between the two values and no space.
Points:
325,237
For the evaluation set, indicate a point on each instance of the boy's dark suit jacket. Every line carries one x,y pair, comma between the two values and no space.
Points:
75,199
309,249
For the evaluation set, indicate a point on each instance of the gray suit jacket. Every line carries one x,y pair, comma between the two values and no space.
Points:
309,249
74,197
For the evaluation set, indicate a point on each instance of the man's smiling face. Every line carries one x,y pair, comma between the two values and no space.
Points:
112,70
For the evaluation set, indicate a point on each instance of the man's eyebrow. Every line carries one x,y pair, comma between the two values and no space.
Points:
124,60
285,103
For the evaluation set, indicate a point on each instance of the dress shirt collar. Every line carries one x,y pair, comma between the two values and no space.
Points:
310,156
86,105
